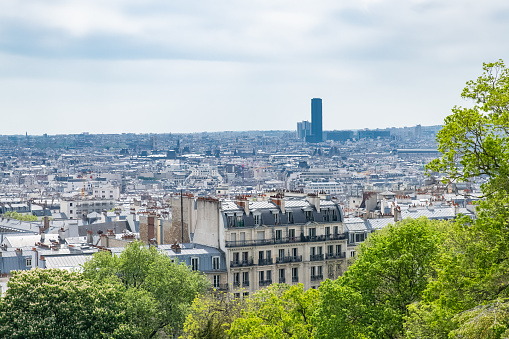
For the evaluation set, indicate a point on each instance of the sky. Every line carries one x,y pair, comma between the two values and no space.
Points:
178,66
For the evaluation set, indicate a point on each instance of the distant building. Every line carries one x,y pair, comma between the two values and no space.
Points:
316,121
303,129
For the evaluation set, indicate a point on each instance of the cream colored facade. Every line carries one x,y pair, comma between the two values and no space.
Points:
290,260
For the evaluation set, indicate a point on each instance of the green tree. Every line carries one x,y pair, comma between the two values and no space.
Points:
390,273
474,141
467,297
170,287
58,304
212,315
279,311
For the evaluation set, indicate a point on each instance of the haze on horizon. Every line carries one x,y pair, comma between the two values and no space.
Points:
190,66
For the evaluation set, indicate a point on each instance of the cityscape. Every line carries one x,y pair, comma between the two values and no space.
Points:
242,198
255,170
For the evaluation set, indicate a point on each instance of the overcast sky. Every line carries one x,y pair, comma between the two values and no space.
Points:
113,66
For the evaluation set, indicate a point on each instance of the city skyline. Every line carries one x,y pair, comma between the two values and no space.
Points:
158,67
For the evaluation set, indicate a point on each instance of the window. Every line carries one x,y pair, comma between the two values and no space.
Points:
330,249
279,234
336,230
327,230
309,215
281,253
245,256
215,263
29,262
295,252
276,217
269,275
245,294
359,237
245,278
236,279
281,275
242,236
236,257
268,255
289,215
260,256
231,220
291,234
312,232
338,249
70,204
260,235
233,237
313,271
236,295
334,215
217,281
256,219
70,211
352,254
319,270
295,274
194,264
319,250
261,276
313,250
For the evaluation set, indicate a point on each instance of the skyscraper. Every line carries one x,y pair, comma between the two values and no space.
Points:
316,120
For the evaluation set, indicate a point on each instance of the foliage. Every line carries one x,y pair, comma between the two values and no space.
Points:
474,141
58,304
212,315
18,216
391,271
278,311
165,289
468,296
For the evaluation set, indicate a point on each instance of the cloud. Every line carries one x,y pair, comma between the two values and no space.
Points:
214,65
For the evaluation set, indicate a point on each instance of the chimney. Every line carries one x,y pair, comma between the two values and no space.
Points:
90,237
314,199
279,200
456,209
61,234
45,225
242,202
397,214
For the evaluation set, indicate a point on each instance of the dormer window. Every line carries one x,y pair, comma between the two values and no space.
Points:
276,217
309,215
290,217
231,220
334,215
257,219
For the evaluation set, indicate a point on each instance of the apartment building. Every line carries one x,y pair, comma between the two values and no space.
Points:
283,241
265,239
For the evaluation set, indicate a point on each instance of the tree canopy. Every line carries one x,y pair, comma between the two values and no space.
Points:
171,287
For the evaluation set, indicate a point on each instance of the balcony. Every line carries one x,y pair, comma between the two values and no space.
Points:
285,240
316,257
329,256
267,261
317,277
241,263
236,284
282,280
295,279
286,259
263,283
